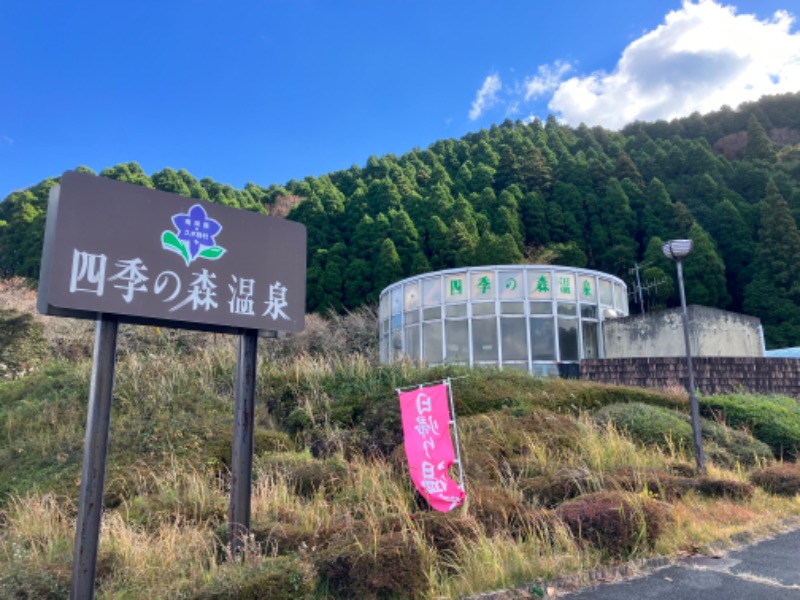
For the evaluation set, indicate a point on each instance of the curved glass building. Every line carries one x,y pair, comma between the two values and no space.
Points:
529,317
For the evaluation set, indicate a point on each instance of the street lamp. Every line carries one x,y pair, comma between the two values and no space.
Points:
677,250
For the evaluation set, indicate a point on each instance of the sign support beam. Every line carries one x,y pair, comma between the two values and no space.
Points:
242,446
95,457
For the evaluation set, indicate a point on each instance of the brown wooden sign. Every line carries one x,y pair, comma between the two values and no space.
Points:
152,257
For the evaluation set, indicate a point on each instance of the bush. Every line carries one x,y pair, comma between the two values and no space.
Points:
654,425
617,522
648,425
218,447
552,489
723,488
280,578
783,480
730,447
41,584
22,343
305,475
773,421
360,562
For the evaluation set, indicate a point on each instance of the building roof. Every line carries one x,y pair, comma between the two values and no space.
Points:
783,353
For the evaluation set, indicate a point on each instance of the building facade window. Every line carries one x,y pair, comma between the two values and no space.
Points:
529,317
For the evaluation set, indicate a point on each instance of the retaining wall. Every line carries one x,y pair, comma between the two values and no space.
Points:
712,374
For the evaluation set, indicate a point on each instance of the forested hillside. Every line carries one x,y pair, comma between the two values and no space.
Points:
537,192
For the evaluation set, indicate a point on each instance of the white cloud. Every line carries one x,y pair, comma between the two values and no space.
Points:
486,96
547,80
705,55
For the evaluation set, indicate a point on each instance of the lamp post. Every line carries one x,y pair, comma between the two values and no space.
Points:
677,250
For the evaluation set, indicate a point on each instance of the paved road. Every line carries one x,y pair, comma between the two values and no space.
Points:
769,570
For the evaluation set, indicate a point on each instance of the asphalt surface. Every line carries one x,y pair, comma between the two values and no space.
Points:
768,570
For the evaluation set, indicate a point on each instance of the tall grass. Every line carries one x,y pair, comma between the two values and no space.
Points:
340,517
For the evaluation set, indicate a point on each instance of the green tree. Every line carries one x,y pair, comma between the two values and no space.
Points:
388,268
705,272
759,145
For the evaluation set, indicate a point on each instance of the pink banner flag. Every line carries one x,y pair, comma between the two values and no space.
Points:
429,448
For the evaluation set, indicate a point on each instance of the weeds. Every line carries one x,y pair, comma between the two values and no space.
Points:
334,513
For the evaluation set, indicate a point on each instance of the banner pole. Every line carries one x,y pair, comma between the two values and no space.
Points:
455,433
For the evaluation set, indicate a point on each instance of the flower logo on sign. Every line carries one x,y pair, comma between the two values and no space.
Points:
194,237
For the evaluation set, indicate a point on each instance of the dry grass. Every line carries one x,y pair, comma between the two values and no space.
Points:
350,522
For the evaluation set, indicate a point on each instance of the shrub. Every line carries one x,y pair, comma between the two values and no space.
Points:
723,488
445,531
649,425
22,343
782,479
218,446
617,522
665,486
360,562
497,511
552,489
774,422
41,584
312,476
279,578
654,425
305,475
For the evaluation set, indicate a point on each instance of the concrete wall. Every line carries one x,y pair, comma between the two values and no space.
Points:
712,332
713,375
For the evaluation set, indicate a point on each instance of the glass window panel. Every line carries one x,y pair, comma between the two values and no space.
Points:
619,294
431,291
455,287
432,343
588,311
397,321
515,339
433,313
568,339
483,308
482,284
516,366
545,370
397,301
457,340
512,284
540,285
411,292
484,340
512,308
541,308
567,310
397,344
385,303
384,348
455,310
412,317
606,296
543,343
412,342
386,326
565,286
590,347
587,289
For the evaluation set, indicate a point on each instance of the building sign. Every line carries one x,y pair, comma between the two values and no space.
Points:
157,258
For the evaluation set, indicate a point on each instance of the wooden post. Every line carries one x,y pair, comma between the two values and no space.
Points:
95,455
242,446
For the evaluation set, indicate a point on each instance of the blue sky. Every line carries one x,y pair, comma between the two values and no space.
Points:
270,90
